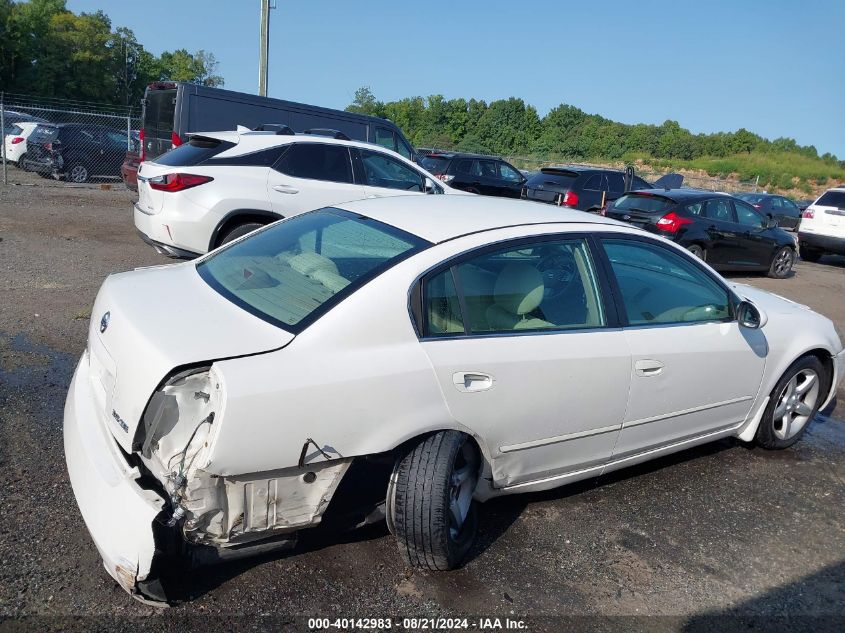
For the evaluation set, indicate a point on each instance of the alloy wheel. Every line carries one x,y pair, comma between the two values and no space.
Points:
783,262
795,404
78,174
463,481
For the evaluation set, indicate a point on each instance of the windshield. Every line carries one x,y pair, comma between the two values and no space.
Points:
753,198
295,270
832,199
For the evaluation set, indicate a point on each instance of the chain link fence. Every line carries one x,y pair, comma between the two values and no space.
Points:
71,141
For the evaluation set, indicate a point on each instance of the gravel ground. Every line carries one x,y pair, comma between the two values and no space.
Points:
700,538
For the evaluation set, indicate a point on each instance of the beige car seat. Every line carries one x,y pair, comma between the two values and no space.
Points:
518,291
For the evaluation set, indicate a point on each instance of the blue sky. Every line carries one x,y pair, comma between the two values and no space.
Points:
774,67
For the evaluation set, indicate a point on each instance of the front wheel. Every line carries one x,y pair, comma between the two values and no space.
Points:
792,404
430,504
782,263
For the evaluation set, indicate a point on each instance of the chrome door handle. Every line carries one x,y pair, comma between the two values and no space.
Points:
468,381
285,189
648,367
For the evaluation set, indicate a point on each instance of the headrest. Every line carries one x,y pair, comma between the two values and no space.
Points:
519,288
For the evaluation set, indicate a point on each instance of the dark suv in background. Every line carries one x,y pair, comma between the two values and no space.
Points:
475,173
727,233
782,209
76,151
586,188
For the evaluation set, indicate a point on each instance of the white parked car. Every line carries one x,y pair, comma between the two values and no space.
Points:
822,227
222,185
16,141
406,358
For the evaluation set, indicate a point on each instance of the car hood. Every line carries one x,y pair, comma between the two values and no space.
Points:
147,322
768,301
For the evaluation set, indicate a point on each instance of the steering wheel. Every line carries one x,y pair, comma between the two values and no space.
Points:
558,272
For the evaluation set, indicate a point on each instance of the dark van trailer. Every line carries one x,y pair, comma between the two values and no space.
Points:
172,110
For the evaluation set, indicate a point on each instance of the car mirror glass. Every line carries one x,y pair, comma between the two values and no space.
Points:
771,223
750,316
430,187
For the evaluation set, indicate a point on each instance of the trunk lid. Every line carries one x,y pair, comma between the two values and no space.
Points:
159,319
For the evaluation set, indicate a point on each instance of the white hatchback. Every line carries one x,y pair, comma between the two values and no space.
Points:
222,185
16,142
407,358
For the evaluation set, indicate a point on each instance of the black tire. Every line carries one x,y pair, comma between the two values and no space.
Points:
782,263
238,231
810,254
698,251
420,498
21,164
45,174
770,425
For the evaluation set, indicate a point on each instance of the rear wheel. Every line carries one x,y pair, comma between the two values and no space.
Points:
782,263
239,231
810,254
430,504
77,173
698,251
792,404
21,164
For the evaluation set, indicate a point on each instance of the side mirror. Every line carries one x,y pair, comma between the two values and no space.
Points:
750,316
430,187
771,223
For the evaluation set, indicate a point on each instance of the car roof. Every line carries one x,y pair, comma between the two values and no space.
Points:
437,218
452,155
681,195
253,140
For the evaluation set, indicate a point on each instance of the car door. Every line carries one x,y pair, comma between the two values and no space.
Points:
384,175
591,196
310,176
527,356
511,180
720,225
790,214
694,370
487,174
756,246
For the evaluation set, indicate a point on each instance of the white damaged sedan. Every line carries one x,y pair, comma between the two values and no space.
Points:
407,358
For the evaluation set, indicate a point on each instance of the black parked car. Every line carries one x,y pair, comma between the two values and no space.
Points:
76,151
475,173
782,209
727,233
586,188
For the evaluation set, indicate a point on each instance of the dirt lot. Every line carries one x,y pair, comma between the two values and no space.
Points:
721,530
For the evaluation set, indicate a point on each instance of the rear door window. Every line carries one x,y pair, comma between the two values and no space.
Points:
385,138
487,169
316,161
719,209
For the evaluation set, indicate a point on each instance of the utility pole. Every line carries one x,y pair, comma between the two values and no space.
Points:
263,47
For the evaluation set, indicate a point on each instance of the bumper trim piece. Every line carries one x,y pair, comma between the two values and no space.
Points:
166,249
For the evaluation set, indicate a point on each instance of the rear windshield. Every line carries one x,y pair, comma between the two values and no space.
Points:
44,133
645,204
194,152
435,164
832,199
293,271
559,179
159,111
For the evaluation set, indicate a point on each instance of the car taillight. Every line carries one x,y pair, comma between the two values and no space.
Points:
48,147
17,139
177,182
143,154
672,222
568,199
175,140
444,178
809,214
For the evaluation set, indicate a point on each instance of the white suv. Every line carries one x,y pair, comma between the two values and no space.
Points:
822,228
222,185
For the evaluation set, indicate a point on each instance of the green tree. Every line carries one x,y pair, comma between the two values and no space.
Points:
199,67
